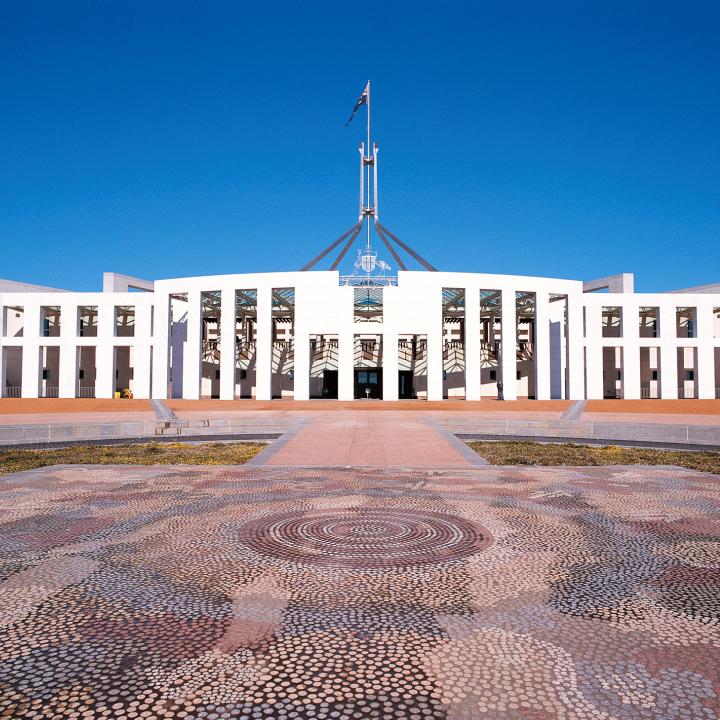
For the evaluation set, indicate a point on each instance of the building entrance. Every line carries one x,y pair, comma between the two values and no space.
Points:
368,379
405,384
330,384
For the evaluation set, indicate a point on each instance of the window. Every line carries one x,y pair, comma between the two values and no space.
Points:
649,321
125,321
612,322
685,322
50,317
13,320
689,374
654,374
87,321
493,374
368,304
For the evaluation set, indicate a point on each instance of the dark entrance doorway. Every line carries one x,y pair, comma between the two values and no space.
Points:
368,379
330,384
405,384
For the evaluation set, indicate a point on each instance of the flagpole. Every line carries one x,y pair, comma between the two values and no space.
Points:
368,165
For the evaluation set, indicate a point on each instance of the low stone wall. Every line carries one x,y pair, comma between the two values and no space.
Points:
41,434
708,435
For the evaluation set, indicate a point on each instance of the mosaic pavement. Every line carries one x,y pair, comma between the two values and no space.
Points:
528,594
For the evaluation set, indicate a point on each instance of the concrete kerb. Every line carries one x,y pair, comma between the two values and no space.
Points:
260,438
595,442
162,411
470,455
574,412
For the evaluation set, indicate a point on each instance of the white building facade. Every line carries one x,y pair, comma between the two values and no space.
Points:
303,335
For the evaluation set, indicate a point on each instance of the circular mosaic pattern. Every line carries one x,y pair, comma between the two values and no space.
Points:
364,538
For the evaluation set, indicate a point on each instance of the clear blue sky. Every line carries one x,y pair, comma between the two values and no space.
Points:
168,139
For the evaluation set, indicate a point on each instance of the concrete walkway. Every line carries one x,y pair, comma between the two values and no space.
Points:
372,438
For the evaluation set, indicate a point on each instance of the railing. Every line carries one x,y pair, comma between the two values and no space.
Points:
324,354
50,392
408,353
86,392
244,351
13,391
717,393
319,349
491,351
454,356
210,351
524,350
283,357
686,393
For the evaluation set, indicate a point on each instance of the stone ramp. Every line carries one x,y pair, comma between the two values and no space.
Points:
371,439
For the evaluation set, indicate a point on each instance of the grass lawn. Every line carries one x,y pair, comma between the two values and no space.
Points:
151,453
531,453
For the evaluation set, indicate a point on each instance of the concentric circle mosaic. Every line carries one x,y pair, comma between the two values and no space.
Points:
492,593
365,537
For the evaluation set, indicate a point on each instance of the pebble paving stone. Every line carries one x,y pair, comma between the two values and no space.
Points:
345,593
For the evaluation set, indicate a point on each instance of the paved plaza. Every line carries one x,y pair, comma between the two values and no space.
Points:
344,593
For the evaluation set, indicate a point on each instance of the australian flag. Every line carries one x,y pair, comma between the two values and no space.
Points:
363,100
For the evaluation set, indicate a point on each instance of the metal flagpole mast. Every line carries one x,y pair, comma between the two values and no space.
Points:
368,261
367,150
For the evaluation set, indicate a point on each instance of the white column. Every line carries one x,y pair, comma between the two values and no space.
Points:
542,345
68,351
104,353
435,347
668,353
346,367
301,379
141,352
263,388
472,344
631,351
576,366
31,351
705,353
191,353
227,344
594,351
508,333
142,322
161,346
390,365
